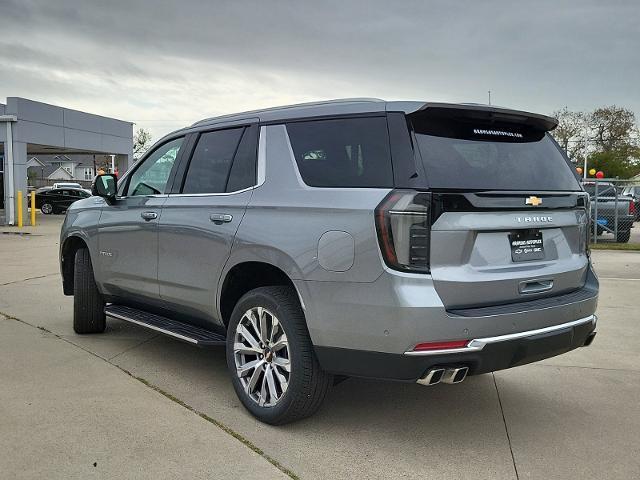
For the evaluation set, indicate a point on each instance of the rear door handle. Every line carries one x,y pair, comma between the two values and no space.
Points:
220,218
149,215
536,286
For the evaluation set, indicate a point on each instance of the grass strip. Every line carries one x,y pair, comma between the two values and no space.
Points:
615,246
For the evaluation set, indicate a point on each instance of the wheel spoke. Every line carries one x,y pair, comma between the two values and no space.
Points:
244,369
245,350
251,384
242,330
271,383
253,320
263,390
280,344
275,325
281,379
264,327
283,363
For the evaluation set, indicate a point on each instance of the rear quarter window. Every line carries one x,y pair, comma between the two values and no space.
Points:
347,152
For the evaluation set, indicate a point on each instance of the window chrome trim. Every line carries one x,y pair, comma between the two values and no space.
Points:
220,194
262,156
478,344
159,195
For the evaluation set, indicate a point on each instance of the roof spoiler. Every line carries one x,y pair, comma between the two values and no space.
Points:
487,113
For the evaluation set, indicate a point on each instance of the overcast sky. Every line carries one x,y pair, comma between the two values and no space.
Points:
166,64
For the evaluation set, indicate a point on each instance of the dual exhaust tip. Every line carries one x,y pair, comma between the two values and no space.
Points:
444,375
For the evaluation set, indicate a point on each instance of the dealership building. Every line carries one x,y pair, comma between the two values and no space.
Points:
30,129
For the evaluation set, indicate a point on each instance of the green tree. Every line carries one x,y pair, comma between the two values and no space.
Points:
615,163
614,137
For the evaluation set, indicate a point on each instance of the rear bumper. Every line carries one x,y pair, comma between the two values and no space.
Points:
398,311
482,355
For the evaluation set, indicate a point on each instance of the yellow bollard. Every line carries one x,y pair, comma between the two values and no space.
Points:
19,208
33,209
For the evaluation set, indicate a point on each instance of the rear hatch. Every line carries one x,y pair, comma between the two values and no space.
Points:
509,218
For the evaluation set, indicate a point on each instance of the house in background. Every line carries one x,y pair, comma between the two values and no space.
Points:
43,170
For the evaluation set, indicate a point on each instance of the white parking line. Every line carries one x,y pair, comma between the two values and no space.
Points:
620,278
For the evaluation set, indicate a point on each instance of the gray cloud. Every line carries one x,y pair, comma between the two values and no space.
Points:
164,64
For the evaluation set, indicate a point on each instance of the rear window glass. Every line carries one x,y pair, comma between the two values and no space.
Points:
211,161
350,152
467,154
243,170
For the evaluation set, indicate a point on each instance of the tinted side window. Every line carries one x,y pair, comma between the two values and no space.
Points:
243,170
211,161
151,177
350,152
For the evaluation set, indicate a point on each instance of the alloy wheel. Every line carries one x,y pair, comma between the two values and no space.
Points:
47,208
262,357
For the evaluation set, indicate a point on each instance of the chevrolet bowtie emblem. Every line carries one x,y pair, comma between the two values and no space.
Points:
535,201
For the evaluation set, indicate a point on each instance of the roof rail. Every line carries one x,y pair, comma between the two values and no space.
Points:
285,107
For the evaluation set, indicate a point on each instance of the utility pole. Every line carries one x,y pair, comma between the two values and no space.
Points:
489,92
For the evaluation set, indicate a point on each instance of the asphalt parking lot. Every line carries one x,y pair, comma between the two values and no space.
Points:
133,404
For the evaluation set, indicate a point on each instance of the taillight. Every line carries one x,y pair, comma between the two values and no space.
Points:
403,223
583,216
632,208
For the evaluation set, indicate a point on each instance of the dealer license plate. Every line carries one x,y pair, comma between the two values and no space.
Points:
526,245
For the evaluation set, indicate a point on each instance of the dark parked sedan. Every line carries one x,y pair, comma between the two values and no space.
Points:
58,200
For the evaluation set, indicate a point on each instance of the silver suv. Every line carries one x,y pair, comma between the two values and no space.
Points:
410,241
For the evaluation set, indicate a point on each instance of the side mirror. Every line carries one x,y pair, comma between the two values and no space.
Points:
105,186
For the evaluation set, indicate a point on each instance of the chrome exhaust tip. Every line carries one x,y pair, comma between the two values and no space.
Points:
455,375
432,377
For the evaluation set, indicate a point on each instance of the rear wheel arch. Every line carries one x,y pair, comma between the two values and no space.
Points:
246,276
67,257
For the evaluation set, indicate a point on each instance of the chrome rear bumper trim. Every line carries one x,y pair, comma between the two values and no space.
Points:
478,344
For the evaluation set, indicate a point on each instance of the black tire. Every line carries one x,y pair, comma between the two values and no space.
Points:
623,236
46,208
308,384
88,305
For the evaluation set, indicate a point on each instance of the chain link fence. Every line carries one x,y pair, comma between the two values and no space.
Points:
615,207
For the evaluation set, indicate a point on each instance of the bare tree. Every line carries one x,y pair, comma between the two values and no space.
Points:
613,129
141,142
571,133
